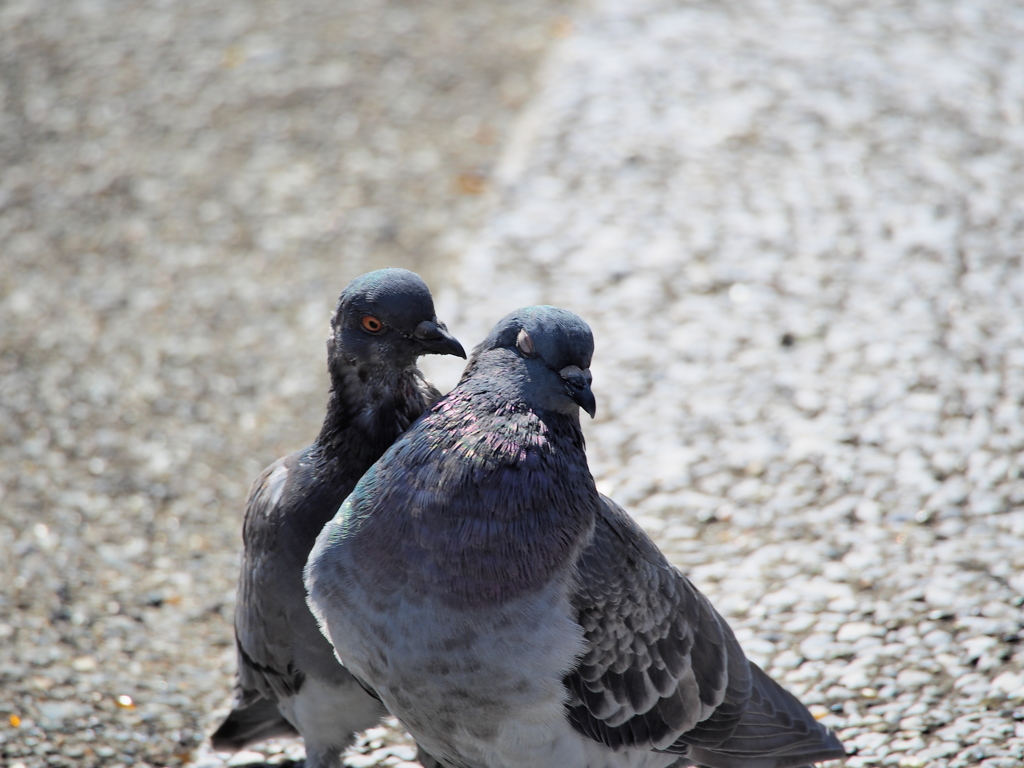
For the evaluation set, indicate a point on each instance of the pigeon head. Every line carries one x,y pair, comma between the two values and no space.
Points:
554,348
386,318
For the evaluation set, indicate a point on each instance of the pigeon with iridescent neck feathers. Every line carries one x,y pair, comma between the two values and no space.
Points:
511,616
289,681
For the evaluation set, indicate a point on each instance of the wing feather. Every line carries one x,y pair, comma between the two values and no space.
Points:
263,635
663,671
644,679
277,637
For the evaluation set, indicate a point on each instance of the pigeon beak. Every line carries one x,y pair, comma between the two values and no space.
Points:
577,385
434,338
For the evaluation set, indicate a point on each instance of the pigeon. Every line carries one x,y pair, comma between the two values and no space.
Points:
289,682
509,615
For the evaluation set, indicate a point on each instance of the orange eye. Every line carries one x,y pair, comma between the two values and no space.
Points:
371,324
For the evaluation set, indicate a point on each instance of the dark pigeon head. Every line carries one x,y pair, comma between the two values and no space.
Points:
386,318
555,347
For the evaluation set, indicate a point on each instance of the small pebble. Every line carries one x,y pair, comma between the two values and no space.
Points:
245,757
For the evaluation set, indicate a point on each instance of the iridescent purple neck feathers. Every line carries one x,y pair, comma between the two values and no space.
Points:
463,507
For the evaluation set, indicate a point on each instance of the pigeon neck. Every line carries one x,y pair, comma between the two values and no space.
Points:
368,408
501,486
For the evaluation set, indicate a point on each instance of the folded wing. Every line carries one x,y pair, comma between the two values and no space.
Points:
663,671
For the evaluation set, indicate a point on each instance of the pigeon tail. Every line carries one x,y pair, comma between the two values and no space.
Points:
776,731
247,725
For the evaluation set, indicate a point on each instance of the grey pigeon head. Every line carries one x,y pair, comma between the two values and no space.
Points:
386,318
554,347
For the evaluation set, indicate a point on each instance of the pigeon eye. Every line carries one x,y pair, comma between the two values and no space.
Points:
371,324
525,343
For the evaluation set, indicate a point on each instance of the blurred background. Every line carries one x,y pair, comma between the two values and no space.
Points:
796,227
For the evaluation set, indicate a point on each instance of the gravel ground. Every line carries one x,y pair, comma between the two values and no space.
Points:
797,230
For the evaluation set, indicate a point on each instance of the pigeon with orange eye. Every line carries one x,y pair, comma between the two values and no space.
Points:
386,326
371,324
289,681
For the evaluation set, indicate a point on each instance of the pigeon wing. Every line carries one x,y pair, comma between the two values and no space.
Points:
776,731
264,626
659,660
662,670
